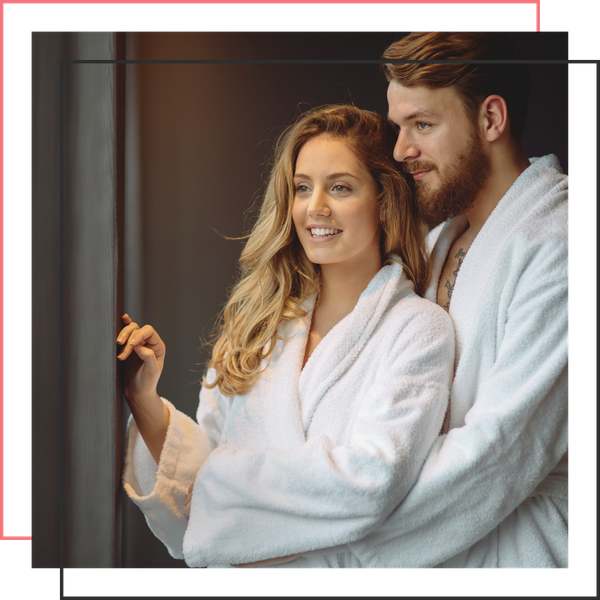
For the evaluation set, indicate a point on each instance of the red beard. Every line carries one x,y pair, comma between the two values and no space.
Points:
460,184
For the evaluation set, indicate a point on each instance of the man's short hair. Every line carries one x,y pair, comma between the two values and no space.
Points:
473,82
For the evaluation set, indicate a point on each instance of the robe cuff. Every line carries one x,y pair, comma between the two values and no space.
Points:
160,490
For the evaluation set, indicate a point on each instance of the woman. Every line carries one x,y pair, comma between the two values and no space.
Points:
330,378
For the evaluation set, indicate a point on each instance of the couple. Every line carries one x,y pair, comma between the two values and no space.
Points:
344,420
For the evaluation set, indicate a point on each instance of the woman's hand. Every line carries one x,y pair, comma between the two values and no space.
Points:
270,561
144,356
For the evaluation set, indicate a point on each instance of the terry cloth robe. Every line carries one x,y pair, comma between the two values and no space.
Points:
493,491
312,458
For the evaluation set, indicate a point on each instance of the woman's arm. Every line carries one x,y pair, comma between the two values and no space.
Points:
159,490
253,504
165,448
259,563
144,353
151,416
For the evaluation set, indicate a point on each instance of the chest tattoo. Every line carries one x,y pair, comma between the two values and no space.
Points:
449,285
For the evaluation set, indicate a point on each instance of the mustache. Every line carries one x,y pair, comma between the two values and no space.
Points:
418,166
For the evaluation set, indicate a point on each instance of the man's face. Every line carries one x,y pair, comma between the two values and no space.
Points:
440,147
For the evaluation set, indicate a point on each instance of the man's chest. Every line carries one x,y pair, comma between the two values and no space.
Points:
450,271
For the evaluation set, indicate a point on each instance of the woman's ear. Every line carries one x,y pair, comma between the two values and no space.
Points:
494,116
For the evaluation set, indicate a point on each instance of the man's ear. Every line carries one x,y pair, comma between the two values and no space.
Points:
494,115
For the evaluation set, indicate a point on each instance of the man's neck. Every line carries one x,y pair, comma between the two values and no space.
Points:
506,168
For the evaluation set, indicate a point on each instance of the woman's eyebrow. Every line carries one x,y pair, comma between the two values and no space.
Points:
336,175
332,176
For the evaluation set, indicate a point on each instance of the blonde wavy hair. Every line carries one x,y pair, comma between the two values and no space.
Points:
276,276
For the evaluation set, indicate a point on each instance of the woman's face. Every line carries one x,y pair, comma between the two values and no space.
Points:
335,208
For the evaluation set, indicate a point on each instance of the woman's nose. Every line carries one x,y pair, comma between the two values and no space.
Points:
319,204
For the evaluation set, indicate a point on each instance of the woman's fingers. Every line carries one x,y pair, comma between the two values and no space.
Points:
143,353
128,324
152,367
126,332
125,337
146,336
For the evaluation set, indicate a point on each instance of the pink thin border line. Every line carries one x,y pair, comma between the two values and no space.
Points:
15,537
536,6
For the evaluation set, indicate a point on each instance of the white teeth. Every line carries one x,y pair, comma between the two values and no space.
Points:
323,232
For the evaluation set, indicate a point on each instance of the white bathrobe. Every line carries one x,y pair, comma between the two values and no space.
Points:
310,459
493,491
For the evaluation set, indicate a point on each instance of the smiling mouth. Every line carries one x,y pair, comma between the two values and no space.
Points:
323,233
418,169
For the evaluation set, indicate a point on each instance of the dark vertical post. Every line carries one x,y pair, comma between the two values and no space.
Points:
90,268
120,287
47,51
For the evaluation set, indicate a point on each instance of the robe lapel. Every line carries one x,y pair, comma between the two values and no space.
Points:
340,347
473,310
281,378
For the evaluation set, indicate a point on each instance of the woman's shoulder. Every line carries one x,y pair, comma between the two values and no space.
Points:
417,335
412,314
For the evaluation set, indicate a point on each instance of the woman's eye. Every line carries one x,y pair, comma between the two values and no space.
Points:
301,189
340,188
423,126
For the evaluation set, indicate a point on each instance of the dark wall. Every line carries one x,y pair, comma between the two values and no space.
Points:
203,133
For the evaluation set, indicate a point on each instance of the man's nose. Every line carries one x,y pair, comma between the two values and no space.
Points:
405,149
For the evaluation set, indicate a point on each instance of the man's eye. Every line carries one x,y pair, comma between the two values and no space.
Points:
423,126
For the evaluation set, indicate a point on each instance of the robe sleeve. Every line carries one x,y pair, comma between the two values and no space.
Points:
160,490
253,504
513,437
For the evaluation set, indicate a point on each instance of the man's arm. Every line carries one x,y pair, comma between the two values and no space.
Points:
513,436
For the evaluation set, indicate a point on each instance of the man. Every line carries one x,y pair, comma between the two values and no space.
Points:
493,491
